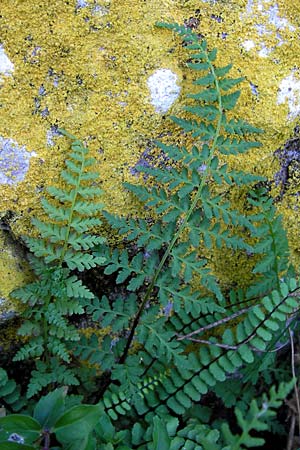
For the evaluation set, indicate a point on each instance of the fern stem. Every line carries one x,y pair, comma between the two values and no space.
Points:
184,222
66,242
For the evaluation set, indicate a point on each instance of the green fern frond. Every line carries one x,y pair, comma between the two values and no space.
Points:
272,245
65,241
256,418
10,394
65,244
32,350
55,373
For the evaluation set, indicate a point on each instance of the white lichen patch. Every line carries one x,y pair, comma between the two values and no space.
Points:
14,161
266,16
6,66
81,4
164,89
289,91
51,134
248,44
270,11
96,9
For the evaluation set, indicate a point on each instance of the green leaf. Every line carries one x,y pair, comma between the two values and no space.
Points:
227,83
4,445
77,421
222,71
161,440
50,407
229,101
26,426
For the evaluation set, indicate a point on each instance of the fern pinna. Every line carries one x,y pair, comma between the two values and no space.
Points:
64,245
152,328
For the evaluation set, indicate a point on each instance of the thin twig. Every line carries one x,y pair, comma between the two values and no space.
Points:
216,344
291,433
214,324
235,347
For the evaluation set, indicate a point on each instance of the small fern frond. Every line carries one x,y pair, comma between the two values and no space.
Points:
116,402
34,349
68,238
272,245
118,316
256,418
10,395
53,374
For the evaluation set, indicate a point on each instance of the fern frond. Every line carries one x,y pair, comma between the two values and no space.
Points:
57,348
10,394
33,349
272,245
256,418
55,373
117,316
65,244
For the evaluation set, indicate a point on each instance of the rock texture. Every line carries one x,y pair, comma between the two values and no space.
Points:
103,71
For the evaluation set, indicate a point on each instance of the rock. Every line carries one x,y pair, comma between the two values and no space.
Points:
14,272
91,67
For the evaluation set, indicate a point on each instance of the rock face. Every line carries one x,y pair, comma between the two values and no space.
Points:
103,71
13,272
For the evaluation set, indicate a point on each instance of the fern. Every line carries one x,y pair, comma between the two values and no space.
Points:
167,432
64,245
10,395
50,373
257,418
173,332
272,244
192,213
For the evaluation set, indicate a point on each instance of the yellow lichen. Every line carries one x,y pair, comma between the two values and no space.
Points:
93,65
13,273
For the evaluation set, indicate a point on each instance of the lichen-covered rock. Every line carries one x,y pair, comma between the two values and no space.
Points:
14,272
103,71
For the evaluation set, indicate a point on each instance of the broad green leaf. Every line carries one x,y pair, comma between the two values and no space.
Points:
23,425
4,445
19,423
50,407
77,421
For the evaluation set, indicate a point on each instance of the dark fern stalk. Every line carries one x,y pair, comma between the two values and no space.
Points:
64,245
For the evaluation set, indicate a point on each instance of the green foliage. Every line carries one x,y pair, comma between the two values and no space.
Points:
171,332
10,393
72,427
272,245
256,418
64,245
